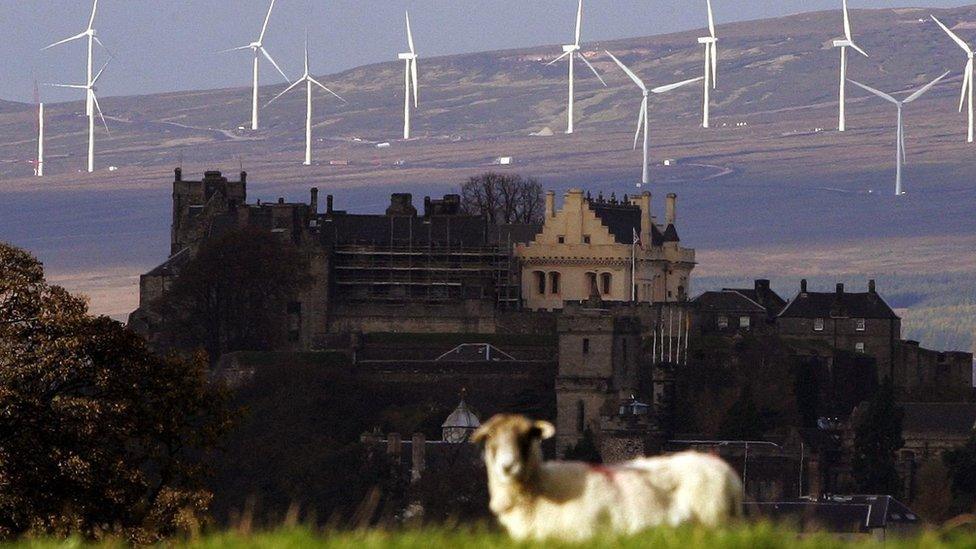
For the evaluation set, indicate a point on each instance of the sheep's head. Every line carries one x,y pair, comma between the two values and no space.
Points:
512,445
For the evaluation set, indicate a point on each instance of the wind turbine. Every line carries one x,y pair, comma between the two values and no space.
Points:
900,139
409,78
967,79
39,171
92,38
258,48
90,90
572,51
642,118
710,43
846,42
308,81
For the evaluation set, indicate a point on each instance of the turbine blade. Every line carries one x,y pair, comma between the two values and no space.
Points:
925,88
288,89
72,86
91,20
847,23
264,28
579,22
65,41
99,108
110,53
627,71
967,81
416,85
901,143
583,57
236,49
676,85
99,74
954,36
281,72
319,84
640,122
558,58
711,19
306,51
859,50
410,35
880,94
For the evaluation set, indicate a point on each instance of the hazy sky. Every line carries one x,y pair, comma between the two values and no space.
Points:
165,45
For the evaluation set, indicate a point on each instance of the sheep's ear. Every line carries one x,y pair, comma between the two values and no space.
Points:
543,430
480,435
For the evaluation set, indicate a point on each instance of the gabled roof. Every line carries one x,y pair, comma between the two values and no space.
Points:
728,300
671,234
838,304
767,298
621,219
173,265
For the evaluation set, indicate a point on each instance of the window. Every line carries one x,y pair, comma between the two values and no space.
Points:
586,345
859,324
294,321
859,347
540,282
723,322
606,280
591,287
553,283
561,239
818,325
744,322
586,239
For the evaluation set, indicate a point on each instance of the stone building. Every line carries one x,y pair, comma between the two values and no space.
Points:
736,311
607,248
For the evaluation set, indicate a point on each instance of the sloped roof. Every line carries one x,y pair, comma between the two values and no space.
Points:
620,219
671,234
949,418
727,300
462,418
173,265
767,298
834,304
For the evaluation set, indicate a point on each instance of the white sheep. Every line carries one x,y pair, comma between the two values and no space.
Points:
574,501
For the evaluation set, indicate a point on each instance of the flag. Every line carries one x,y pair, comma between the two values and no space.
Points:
637,239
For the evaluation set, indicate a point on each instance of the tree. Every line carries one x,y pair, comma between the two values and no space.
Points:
876,439
961,463
743,420
934,499
503,198
98,436
233,295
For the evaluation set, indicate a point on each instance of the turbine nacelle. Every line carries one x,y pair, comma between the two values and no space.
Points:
407,56
569,48
708,40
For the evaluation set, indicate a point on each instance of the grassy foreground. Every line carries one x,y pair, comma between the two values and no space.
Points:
751,537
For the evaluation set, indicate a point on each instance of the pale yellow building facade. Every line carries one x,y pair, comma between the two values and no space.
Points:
588,249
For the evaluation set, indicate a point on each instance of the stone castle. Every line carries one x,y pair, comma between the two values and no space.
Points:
602,285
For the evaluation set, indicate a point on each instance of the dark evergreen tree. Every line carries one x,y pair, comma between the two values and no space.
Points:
743,421
806,389
876,440
961,463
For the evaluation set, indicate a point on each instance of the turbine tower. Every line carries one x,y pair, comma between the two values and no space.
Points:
410,83
572,51
258,48
900,138
967,79
642,118
92,38
308,81
710,44
846,42
39,170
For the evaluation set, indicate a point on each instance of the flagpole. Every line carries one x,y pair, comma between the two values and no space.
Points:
633,268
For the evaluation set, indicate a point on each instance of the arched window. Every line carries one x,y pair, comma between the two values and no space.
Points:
540,282
591,287
606,283
553,283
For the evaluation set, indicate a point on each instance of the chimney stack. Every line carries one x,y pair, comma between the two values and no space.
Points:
328,204
671,211
872,287
243,176
550,205
840,289
179,174
315,200
762,287
419,451
645,207
803,286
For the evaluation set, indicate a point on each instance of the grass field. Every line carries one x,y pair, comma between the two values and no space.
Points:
752,537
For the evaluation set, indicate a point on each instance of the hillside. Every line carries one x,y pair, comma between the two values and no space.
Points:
764,178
